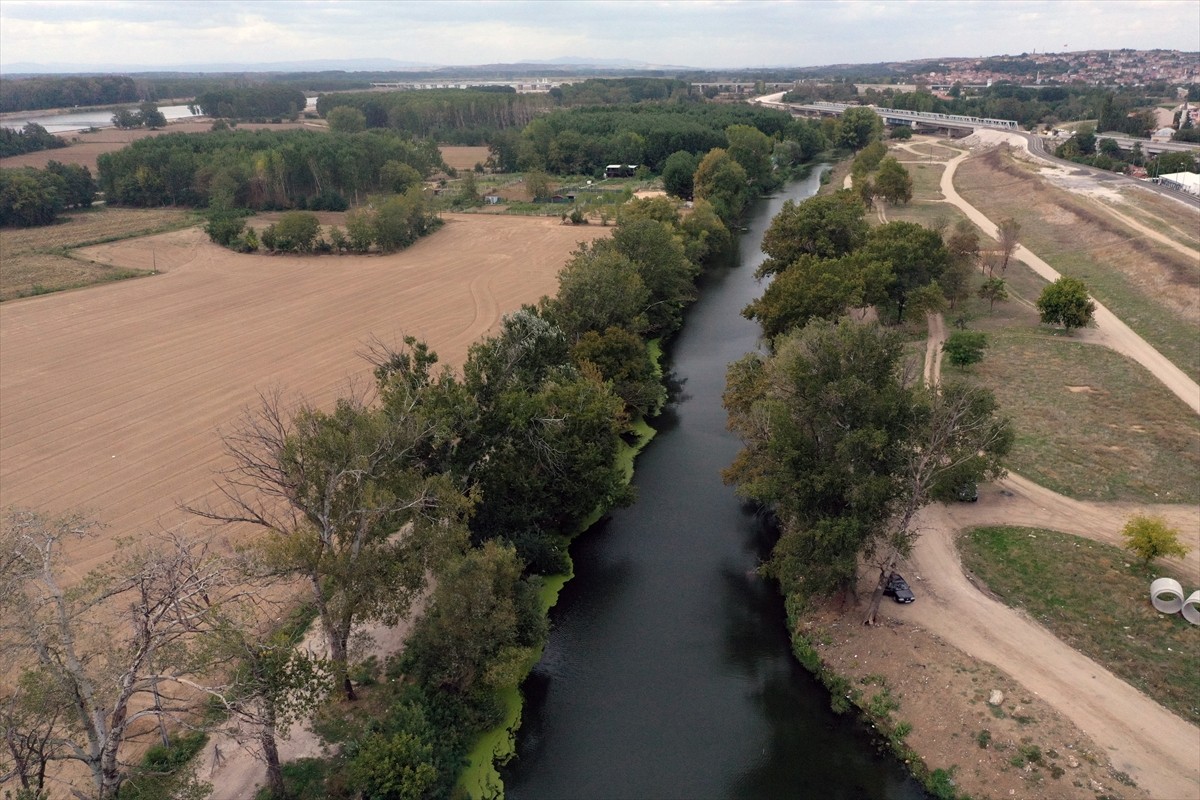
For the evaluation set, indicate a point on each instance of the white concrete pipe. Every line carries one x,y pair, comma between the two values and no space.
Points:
1166,595
1191,608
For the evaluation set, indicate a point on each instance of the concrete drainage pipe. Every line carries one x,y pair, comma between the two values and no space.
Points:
1166,595
1191,608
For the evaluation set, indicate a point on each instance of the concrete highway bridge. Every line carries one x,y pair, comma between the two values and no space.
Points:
953,124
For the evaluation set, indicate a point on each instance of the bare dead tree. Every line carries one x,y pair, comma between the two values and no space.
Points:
1009,229
93,648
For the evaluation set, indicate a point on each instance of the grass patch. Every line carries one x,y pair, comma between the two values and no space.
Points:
1151,287
39,260
1093,597
1090,423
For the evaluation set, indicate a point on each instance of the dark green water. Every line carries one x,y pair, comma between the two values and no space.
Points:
669,673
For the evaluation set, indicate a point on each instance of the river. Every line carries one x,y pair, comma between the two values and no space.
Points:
668,673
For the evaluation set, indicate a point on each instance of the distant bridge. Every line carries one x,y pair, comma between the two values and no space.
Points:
900,116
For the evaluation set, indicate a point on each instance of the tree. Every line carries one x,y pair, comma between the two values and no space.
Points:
538,185
892,182
482,618
965,348
992,290
844,449
751,148
1065,302
93,690
150,117
826,226
622,359
1150,537
396,175
1008,230
859,126
664,268
599,288
721,181
915,254
817,288
360,230
346,119
678,173
343,504
297,230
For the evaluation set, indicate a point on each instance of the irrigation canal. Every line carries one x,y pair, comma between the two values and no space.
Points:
668,673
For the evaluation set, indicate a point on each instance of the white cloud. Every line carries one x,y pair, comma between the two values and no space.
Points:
706,33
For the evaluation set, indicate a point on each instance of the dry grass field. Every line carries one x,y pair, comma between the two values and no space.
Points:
113,398
41,260
462,157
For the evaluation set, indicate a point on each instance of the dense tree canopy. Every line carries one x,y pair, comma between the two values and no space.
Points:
826,226
258,169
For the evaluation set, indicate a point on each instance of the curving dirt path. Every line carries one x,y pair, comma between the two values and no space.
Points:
1157,749
1110,331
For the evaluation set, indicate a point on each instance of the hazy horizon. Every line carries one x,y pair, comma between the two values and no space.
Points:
738,34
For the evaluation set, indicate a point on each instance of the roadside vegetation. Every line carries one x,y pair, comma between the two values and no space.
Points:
1095,598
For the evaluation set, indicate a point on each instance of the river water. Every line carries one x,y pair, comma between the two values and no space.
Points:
668,673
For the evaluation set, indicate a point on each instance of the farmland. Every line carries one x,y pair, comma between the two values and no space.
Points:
114,397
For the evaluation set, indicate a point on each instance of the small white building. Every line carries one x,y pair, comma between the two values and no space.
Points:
1184,181
1162,135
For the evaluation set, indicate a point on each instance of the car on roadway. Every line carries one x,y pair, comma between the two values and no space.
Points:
897,589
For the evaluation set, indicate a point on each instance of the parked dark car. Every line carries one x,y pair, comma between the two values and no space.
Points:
897,588
967,493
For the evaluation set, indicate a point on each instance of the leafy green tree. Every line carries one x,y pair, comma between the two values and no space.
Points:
955,280
678,174
345,119
392,767
915,254
1150,537
1065,302
482,617
925,300
468,192
30,197
599,288
826,226
845,451
538,184
965,348
816,288
344,506
297,230
225,227
858,127
664,268
721,181
893,183
360,229
150,117
869,157
402,219
706,239
751,148
622,359
397,175
993,290
338,240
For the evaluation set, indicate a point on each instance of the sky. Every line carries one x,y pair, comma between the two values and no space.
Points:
696,33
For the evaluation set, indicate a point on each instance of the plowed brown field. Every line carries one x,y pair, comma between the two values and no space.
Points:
112,398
